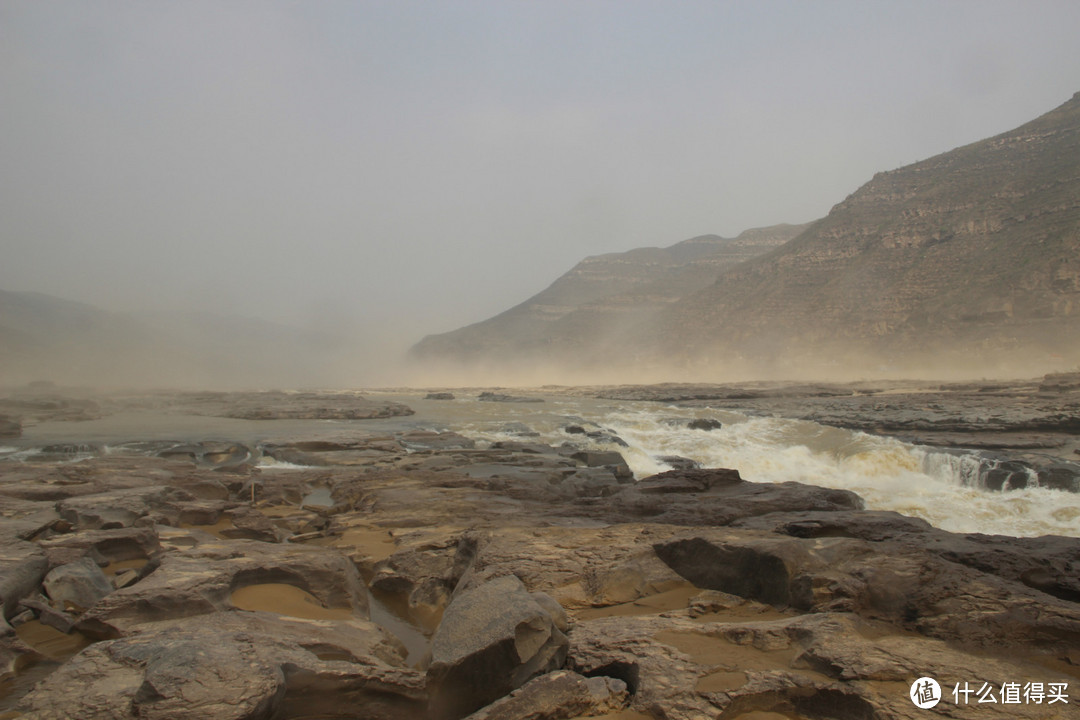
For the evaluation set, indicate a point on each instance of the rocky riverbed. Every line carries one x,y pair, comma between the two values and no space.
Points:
417,573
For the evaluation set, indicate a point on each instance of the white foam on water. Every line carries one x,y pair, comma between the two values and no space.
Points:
941,488
268,463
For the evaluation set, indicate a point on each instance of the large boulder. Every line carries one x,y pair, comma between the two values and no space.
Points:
493,638
77,585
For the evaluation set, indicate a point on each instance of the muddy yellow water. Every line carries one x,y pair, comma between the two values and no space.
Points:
621,715
49,641
224,523
285,600
677,599
372,543
731,661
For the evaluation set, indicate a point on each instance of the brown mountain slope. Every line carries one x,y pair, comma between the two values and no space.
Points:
601,295
973,254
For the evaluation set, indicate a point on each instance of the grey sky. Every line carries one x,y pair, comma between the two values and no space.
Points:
423,165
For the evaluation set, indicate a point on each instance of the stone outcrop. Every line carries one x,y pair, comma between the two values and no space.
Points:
508,580
493,638
235,665
967,259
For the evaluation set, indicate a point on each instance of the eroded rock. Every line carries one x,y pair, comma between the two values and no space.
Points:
492,639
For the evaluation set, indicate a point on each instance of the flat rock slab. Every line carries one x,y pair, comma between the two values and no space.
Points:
201,580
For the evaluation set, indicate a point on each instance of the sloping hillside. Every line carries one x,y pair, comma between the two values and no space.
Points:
965,263
974,253
586,307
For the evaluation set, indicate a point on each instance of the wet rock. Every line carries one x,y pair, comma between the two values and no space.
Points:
22,568
235,665
1008,475
77,586
1060,383
430,440
212,454
518,428
677,462
493,638
610,458
684,481
1060,476
715,497
906,582
598,435
500,397
558,695
10,427
704,424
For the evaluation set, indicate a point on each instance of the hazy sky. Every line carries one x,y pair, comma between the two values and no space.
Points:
427,164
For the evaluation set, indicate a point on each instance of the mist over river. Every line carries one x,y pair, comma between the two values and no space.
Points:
941,487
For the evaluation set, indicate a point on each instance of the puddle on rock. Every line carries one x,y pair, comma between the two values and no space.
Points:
223,523
417,643
55,646
620,715
49,641
285,599
677,599
319,497
731,660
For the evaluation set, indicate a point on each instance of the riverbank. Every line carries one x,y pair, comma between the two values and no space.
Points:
208,582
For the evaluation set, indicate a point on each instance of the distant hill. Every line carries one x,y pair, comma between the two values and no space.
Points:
966,262
48,338
584,309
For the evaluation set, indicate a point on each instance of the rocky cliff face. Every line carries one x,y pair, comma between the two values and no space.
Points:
976,251
967,260
584,310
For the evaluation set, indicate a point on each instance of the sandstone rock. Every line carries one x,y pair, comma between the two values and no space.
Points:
234,665
492,639
120,508
715,497
610,460
78,585
201,579
678,462
704,424
22,567
557,696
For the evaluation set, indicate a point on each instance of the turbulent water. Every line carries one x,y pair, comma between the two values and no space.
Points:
942,488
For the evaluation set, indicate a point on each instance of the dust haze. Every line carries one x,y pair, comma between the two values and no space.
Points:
272,194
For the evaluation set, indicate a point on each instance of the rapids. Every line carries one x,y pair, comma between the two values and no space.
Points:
942,488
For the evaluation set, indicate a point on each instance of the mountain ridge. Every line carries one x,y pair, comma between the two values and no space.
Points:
970,257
